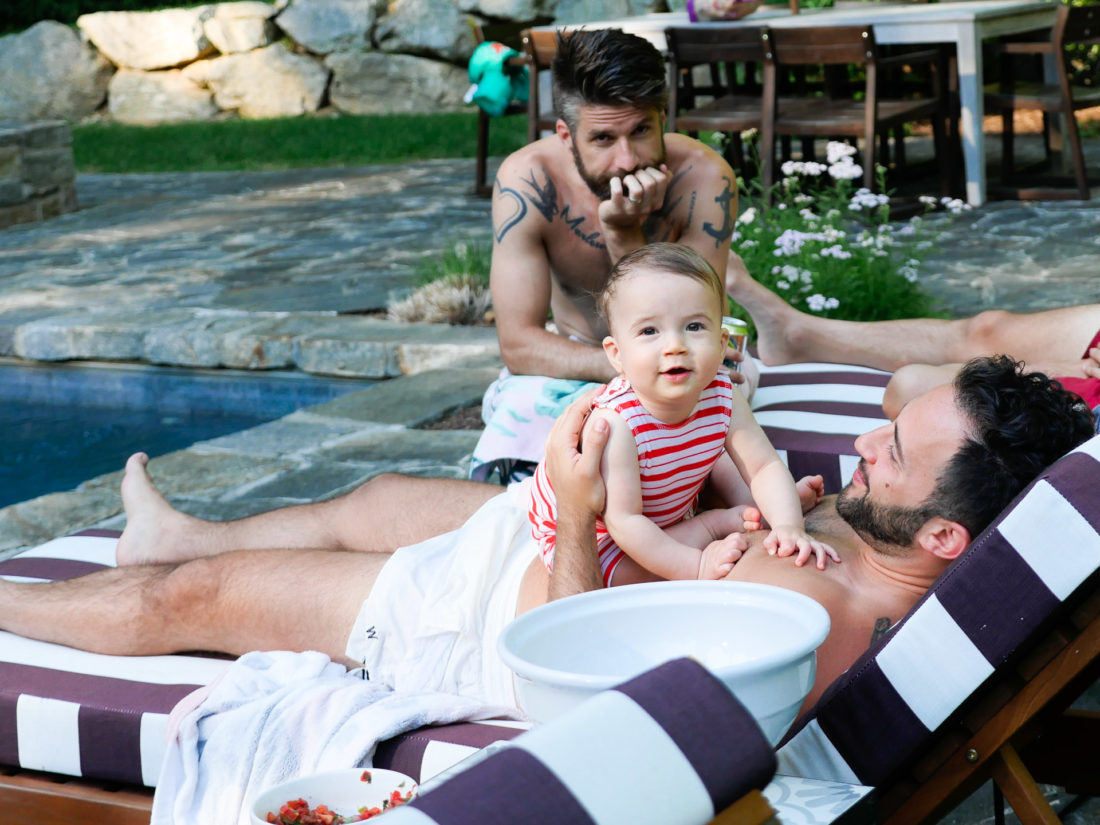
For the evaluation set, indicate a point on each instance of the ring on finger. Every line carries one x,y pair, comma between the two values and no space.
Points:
633,199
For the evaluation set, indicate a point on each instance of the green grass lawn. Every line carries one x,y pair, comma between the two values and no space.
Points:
287,143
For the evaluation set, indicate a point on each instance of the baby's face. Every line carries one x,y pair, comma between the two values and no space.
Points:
666,336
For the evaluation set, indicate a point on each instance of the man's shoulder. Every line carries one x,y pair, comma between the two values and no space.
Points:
544,156
690,157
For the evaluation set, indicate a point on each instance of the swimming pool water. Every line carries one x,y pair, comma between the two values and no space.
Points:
64,424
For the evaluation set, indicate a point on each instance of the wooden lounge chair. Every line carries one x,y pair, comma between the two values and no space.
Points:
971,685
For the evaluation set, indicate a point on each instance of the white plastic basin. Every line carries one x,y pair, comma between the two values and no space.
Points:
758,639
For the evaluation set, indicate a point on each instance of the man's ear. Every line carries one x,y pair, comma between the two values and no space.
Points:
612,350
943,538
562,128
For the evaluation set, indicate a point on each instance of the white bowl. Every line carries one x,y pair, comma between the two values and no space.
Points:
344,791
758,639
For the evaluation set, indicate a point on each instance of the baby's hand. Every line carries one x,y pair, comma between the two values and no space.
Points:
785,540
811,489
718,557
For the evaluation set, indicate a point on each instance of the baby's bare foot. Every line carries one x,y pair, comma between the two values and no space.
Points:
155,531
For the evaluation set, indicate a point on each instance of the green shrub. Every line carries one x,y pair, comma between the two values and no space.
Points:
830,249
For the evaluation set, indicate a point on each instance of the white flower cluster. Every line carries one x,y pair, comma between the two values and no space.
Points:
841,166
791,276
808,168
747,217
791,241
818,302
836,251
864,198
954,205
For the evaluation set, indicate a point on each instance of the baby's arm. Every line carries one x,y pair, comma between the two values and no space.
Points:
641,539
773,489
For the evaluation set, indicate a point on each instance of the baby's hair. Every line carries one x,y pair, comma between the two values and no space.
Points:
673,258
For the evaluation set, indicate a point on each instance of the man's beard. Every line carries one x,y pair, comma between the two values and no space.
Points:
601,186
889,528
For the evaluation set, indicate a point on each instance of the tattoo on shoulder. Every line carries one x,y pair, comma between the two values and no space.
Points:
882,627
509,197
545,197
725,201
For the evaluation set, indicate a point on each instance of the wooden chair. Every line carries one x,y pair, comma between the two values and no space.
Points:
1072,25
733,107
514,37
831,112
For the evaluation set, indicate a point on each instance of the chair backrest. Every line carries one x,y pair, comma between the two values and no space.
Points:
540,48
1077,24
824,45
717,43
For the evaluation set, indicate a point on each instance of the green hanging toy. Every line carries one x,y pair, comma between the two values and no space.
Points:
495,83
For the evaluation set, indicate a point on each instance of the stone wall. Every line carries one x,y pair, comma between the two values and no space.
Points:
37,176
258,59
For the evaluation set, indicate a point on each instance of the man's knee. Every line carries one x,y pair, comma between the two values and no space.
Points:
171,597
907,383
984,333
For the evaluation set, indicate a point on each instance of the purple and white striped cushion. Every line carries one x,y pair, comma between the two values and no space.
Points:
83,714
1043,550
812,414
670,746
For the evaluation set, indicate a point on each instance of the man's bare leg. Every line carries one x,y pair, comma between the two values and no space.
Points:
788,336
387,512
234,603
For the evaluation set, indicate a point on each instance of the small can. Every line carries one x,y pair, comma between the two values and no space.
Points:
739,333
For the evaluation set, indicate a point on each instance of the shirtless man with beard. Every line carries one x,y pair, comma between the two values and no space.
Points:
566,208
427,616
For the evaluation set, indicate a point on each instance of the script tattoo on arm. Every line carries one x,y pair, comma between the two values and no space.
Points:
519,210
725,199
545,198
882,627
591,238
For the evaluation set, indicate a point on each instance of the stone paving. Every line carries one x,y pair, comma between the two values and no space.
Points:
285,270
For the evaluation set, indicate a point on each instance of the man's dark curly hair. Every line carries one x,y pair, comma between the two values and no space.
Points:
1018,424
607,67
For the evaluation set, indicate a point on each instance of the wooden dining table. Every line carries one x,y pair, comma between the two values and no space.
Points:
966,24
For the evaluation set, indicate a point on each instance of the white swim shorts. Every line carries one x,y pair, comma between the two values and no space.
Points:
433,616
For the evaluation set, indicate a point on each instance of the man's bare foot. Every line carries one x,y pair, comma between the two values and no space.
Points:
155,531
775,319
811,489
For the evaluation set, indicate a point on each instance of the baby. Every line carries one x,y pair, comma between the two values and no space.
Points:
675,420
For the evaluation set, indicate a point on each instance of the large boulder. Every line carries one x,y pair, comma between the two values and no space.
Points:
518,10
268,82
149,39
372,82
48,72
240,27
432,28
157,97
327,26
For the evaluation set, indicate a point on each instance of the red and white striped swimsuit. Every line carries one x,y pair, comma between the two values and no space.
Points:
673,459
